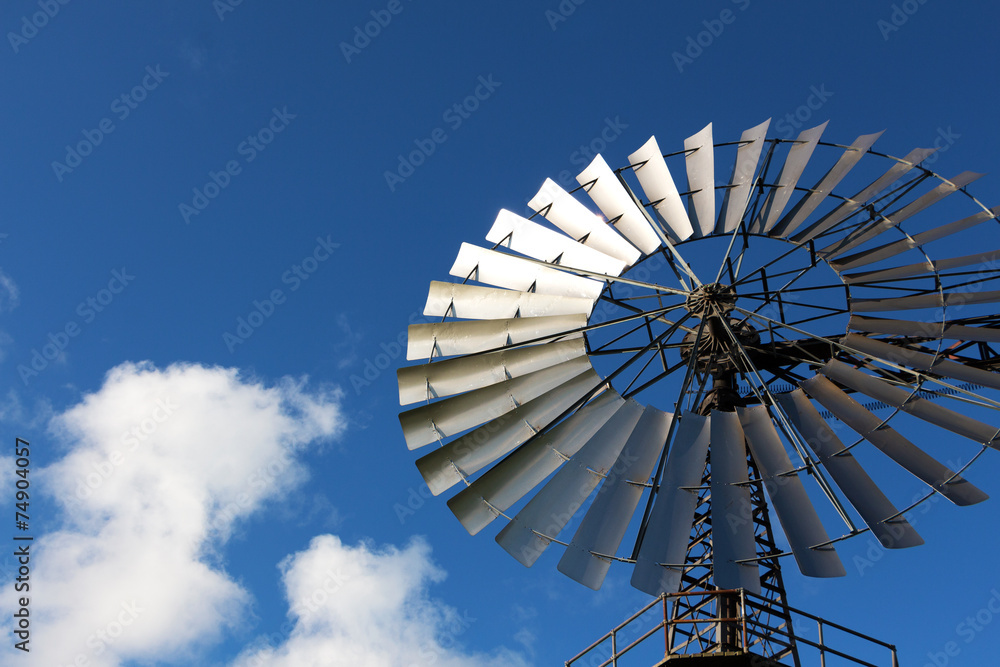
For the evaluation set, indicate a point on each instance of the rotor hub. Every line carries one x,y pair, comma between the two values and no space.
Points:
711,299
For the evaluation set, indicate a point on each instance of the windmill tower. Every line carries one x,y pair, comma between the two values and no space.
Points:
681,369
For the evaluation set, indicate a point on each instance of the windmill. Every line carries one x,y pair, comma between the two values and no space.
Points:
675,372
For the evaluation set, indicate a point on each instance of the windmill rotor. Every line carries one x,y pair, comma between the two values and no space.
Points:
693,342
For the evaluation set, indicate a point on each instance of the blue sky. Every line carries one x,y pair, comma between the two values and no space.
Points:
196,195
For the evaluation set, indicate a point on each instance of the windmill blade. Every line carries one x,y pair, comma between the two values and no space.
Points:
796,513
700,163
845,210
525,468
989,258
887,440
936,300
604,524
665,541
918,407
523,236
811,201
877,511
443,339
791,171
734,204
566,212
450,416
545,515
455,376
732,512
617,205
894,248
473,302
923,361
503,270
446,466
654,177
935,329
887,222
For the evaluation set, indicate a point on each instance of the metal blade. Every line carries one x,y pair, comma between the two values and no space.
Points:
935,329
450,416
914,405
454,376
791,171
614,201
734,203
905,356
443,339
449,465
700,162
811,201
604,524
732,511
923,301
845,210
669,527
512,231
472,302
910,457
511,479
566,212
796,513
556,503
654,177
989,258
503,270
875,509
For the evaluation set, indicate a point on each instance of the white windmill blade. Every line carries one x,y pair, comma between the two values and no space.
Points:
732,512
894,248
510,480
665,542
887,440
545,515
891,529
920,408
528,238
887,222
849,207
474,302
567,213
455,376
912,328
734,204
700,162
818,194
444,339
945,300
617,205
604,524
798,517
791,171
503,270
922,361
654,177
450,416
987,258
446,466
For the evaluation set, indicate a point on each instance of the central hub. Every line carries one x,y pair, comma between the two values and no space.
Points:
711,299
717,349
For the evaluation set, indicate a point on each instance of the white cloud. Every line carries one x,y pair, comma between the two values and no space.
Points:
359,606
159,465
